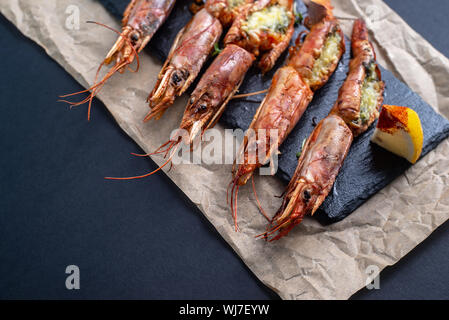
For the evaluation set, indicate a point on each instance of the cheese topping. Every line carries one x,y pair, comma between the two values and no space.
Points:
272,19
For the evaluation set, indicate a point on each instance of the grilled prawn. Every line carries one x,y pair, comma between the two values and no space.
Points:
283,106
189,52
264,29
361,95
317,57
141,20
208,100
320,161
223,78
245,40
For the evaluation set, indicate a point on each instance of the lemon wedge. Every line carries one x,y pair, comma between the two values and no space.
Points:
399,131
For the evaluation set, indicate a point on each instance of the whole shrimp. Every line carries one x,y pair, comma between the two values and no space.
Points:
320,161
264,28
222,79
189,52
141,20
290,93
326,148
216,87
361,95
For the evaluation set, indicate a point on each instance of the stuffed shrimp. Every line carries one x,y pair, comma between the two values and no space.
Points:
309,67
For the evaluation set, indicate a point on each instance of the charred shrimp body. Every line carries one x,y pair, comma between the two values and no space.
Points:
317,57
356,108
216,87
141,20
283,106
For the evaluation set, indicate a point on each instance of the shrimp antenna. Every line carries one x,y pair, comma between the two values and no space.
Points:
170,144
95,89
258,202
234,200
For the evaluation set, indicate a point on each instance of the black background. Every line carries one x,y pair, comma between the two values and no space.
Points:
140,239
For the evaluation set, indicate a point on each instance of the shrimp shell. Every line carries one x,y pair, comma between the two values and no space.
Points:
283,106
224,11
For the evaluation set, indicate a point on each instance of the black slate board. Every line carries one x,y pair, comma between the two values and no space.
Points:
367,168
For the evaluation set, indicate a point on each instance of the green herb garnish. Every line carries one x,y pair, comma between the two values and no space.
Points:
298,154
298,15
217,50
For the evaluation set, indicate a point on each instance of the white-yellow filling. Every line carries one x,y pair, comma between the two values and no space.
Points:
274,19
370,94
329,56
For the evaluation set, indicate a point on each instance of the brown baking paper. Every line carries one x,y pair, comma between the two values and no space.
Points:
313,261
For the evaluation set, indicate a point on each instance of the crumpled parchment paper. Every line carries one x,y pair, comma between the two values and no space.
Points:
313,261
